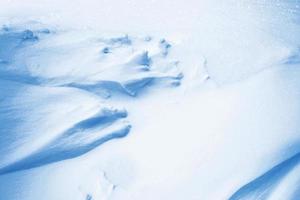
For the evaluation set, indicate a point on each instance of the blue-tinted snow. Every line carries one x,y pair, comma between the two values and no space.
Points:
149,100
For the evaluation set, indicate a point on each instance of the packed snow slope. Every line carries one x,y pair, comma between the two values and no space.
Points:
152,100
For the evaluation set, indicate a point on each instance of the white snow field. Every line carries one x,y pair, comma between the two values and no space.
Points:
149,100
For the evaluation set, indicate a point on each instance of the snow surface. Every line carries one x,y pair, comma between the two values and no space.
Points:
158,100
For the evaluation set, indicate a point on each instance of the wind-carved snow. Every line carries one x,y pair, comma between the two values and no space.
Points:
36,72
230,131
103,66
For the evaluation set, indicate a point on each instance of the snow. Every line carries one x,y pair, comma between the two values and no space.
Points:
149,100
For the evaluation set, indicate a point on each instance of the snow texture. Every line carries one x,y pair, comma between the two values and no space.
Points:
152,100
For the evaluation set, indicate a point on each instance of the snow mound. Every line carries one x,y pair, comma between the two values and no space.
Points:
41,138
103,66
47,71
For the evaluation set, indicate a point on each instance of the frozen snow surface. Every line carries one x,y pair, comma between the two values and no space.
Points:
149,100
